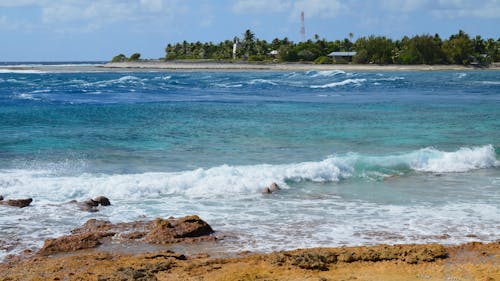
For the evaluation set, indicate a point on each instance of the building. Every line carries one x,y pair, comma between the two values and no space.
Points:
342,56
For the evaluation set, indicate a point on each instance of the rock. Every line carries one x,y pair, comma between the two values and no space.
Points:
266,190
72,243
1,197
171,231
91,204
274,187
20,203
320,259
103,201
160,231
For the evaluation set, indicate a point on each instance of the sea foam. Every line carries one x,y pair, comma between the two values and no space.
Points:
228,180
356,82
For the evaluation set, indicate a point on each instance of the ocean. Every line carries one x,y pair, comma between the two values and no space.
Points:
362,158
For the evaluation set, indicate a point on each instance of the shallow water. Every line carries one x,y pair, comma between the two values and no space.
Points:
363,158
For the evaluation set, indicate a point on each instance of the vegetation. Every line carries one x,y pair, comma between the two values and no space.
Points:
123,58
459,48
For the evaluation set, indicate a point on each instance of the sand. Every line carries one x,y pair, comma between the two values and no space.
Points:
240,66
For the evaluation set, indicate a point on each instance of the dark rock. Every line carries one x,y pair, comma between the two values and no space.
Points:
274,187
104,201
20,203
266,190
1,197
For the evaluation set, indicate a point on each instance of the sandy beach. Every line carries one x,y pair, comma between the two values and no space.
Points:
240,66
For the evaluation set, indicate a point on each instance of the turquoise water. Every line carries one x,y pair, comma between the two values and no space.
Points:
362,157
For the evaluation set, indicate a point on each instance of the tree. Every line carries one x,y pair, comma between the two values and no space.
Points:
119,58
458,48
135,57
248,44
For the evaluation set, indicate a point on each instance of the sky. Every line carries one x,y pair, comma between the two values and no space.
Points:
85,30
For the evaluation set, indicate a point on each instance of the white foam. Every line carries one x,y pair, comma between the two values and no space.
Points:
464,160
261,81
22,71
490,82
326,73
26,96
227,180
218,181
357,82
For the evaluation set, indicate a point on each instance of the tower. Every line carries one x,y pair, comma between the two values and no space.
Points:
302,27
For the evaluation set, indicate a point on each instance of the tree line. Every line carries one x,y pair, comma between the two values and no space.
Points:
459,48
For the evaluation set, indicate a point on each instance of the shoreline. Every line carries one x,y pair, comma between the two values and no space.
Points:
243,66
194,65
470,261
183,249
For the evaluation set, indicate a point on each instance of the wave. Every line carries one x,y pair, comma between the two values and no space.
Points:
228,180
262,81
122,80
357,82
325,73
23,71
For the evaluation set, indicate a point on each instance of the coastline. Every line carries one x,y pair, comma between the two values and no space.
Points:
183,249
201,65
471,261
242,66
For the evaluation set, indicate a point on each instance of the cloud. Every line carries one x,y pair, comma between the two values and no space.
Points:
447,8
261,6
90,15
312,8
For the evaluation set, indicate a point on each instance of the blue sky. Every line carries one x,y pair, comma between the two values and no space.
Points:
59,30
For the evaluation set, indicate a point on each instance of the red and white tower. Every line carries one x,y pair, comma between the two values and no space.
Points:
302,27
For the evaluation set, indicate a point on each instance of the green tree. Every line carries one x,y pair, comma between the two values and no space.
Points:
119,58
135,57
458,48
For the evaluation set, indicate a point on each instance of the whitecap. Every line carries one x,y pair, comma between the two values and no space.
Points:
261,81
356,82
326,73
22,71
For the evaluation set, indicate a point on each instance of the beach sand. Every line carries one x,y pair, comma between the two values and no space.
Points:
240,66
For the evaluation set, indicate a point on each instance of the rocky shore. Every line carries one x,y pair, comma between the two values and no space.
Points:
89,253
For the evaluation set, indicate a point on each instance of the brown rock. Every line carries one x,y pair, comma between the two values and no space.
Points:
20,203
93,225
170,231
73,242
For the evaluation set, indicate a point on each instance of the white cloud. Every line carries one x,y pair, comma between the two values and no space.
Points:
312,8
318,8
261,6
448,8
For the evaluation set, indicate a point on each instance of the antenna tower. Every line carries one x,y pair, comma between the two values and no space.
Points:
302,27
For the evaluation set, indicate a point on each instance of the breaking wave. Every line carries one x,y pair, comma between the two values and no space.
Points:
340,83
227,180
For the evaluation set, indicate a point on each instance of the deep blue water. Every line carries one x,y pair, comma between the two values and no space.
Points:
409,154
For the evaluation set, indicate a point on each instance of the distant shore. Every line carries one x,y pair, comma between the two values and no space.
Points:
243,66
210,65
